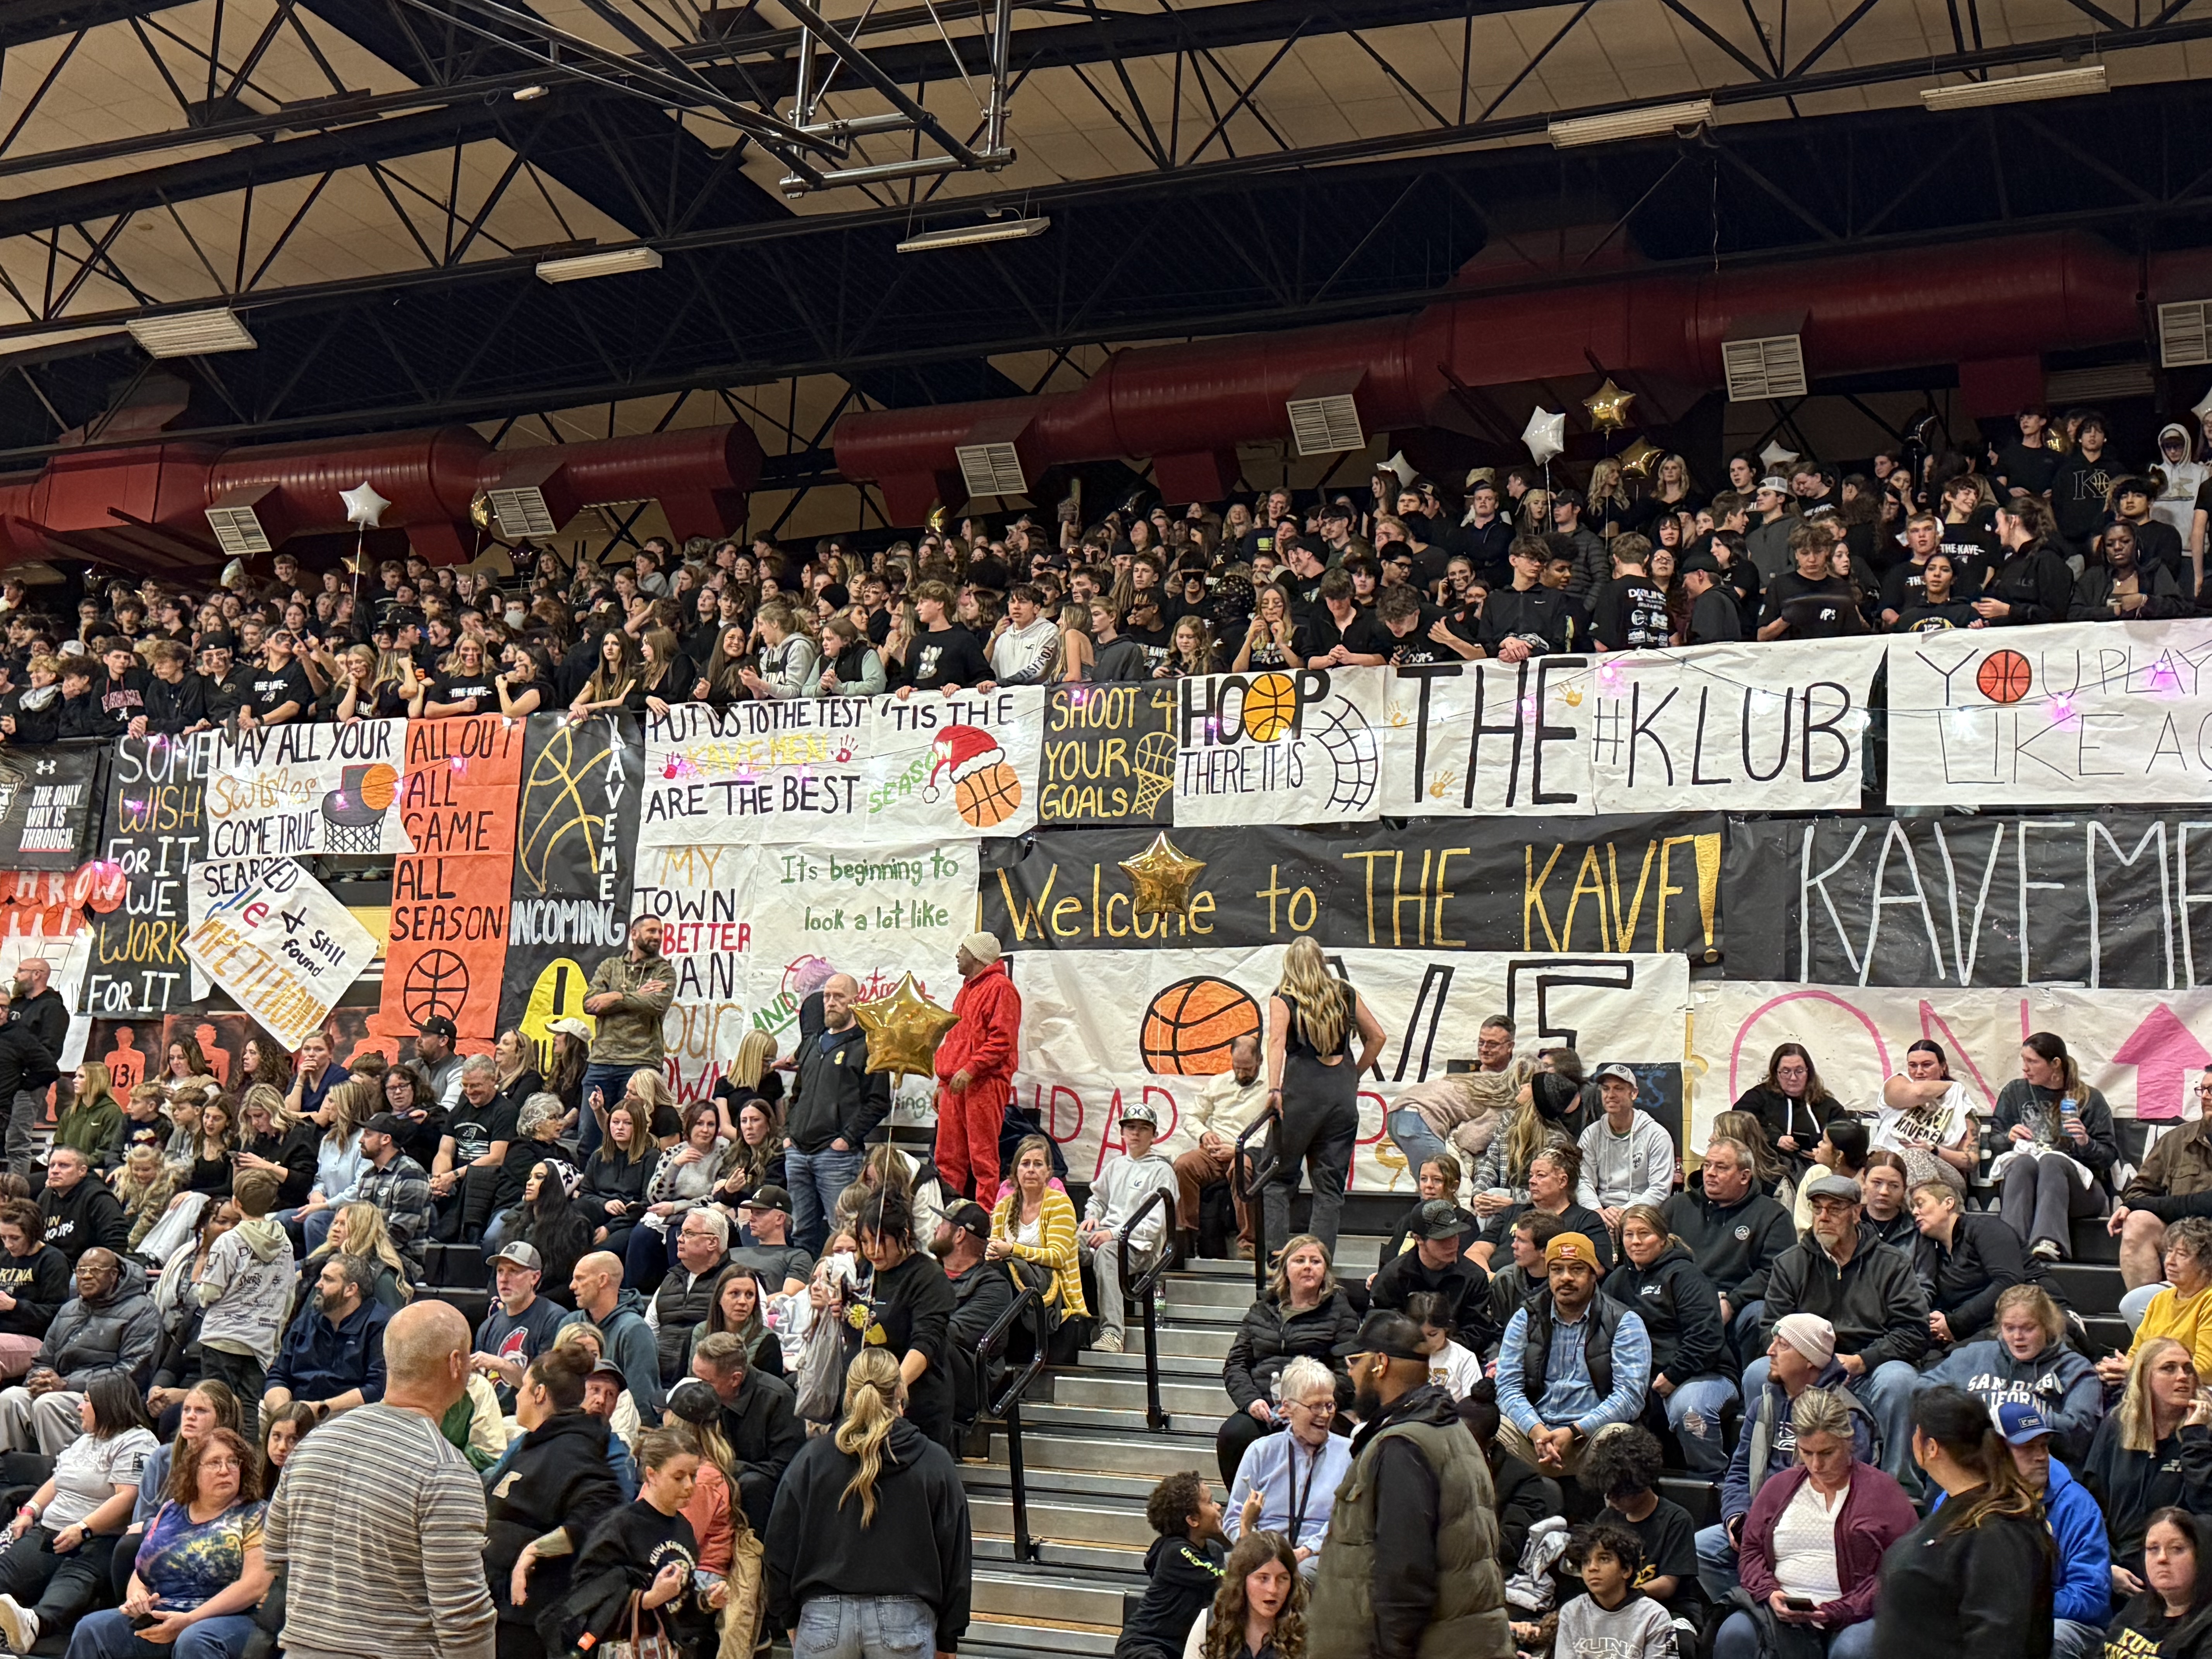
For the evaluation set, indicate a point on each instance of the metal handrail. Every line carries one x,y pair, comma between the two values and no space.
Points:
1007,1407
1247,1189
1140,1288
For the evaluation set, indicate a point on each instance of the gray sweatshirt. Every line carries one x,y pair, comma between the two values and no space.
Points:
1637,1629
245,1290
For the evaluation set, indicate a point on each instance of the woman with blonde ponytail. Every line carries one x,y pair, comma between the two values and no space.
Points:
1313,1087
868,1545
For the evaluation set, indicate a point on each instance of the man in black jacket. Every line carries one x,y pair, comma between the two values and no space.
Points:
981,1293
758,1420
38,1026
1735,1232
176,697
1435,1264
1527,619
81,1213
835,1102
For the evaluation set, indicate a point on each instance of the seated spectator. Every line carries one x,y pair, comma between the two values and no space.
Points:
758,1420
205,1407
464,1178
615,1177
145,1185
272,1140
779,1265
1773,1175
1802,1356
2180,1308
1513,1283
1734,1232
1817,1532
2028,1363
1438,1178
2059,1146
1225,1108
2172,1617
1692,1373
618,1315
34,1282
1867,1293
981,1293
1884,1209
1303,1312
520,1324
1268,1494
1627,1159
1553,1174
80,1214
332,1356
645,1550
1841,1151
2174,1180
1451,1368
199,1573
1548,1112
394,1182
1524,1497
1574,1362
1182,1567
358,1229
1609,1616
1124,1185
58,1567
1623,1471
2153,1450
108,1328
546,1496
702,1245
92,1121
2082,1585
1792,1105
681,1182
1259,1609
536,1179
735,1307
1927,1118
1963,1263
1436,1266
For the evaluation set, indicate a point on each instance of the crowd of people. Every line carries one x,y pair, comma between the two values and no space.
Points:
2049,526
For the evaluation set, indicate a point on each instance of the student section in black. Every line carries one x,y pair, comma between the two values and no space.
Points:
946,656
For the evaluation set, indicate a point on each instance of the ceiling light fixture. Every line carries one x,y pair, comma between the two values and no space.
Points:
1658,121
2018,88
992,230
523,94
191,334
613,263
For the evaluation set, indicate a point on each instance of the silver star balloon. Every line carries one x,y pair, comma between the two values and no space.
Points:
363,506
1545,434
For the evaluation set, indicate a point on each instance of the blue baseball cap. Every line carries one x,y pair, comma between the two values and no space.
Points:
2021,1423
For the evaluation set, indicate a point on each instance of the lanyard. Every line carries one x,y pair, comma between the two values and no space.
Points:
1298,1503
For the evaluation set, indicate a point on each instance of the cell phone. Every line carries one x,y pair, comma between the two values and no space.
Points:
1454,1067
1797,1604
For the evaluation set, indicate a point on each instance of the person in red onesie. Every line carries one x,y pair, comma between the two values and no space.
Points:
975,1071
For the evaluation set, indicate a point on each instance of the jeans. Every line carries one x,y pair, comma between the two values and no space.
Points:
2040,1194
1739,1639
2070,1639
1743,1331
1105,1262
865,1628
1694,1412
1410,1132
816,1179
2137,1302
1717,1574
612,1080
1886,1393
108,1635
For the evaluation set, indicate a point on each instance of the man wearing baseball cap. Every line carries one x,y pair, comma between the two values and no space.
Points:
1627,1159
981,1293
771,1257
975,1071
1869,1293
1410,1564
2081,1581
1573,1364
1436,1264
520,1324
1121,1190
435,1059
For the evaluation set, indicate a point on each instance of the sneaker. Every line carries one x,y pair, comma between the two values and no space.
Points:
1243,1249
1106,1342
19,1625
2044,1250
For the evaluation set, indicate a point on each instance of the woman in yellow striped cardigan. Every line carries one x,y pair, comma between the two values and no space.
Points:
1031,1202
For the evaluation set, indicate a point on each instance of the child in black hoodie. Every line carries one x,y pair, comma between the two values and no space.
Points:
1184,1566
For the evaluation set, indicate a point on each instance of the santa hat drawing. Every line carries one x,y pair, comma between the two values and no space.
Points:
962,751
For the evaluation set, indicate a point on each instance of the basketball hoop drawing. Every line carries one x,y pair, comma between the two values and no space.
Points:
353,813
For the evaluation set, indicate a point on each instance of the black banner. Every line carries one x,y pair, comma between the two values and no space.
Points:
1109,755
2119,900
49,803
1645,883
575,833
154,827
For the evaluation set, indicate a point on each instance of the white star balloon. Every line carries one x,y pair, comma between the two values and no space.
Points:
364,506
1545,435
1775,455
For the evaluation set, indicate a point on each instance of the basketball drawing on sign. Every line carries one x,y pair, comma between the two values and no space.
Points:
553,806
437,982
986,792
2004,677
1190,1025
353,813
1154,766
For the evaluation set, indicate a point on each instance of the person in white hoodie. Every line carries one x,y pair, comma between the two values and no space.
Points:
244,1294
1116,1195
1627,1159
1026,648
789,663
2184,476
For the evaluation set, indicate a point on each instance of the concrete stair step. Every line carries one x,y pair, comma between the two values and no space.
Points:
1226,1316
1013,1593
1091,1362
1125,1392
1203,1291
991,1637
1105,1452
2090,1287
2091,1242
1122,1528
1128,1419
1059,1552
1185,1339
995,1480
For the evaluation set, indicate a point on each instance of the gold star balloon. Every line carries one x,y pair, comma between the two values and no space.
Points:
1639,458
1608,407
1163,877
903,1030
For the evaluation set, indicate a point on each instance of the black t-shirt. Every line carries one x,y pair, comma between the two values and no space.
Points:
1630,614
1824,609
1414,645
475,690
1670,1550
1904,585
1925,619
1973,551
1589,1223
1152,640
1363,634
474,1128
947,656
1715,617
879,625
2031,469
268,689
1304,592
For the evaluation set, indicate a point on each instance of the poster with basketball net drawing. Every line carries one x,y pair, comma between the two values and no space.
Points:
291,791
1102,1028
1294,746
2080,713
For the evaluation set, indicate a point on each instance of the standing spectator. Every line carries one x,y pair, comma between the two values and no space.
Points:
66,1531
618,1315
244,1294
1692,1374
2174,1180
1312,1019
1124,1185
377,1509
2027,1363
34,1282
333,1355
643,1559
1227,1103
2062,1146
1868,1294
2172,1617
1267,1494
39,1018
546,1495
2081,1587
81,1213
629,997
975,1065
1410,1564
1976,1575
1627,1159
1735,1233
1182,1567
2153,1450
868,1549
109,1329
1574,1362
758,1420
836,1103
1303,1312
910,1301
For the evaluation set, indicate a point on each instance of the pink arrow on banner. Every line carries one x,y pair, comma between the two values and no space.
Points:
2164,1054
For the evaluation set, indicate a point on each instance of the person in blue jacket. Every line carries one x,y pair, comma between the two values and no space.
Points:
2081,1581
2028,1362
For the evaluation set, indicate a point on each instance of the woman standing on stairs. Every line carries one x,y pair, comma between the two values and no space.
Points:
1314,1093
1303,1312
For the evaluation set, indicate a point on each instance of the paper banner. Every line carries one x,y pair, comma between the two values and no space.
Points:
1109,755
154,830
1295,747
288,791
284,950
50,801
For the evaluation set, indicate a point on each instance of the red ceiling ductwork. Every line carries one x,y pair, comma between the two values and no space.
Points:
145,507
1186,407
